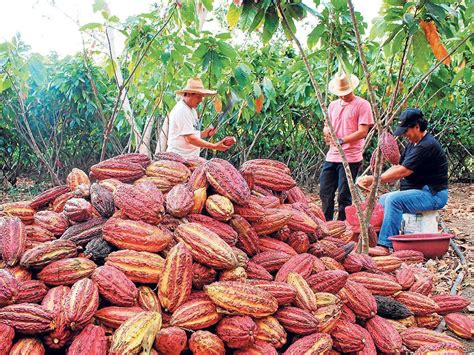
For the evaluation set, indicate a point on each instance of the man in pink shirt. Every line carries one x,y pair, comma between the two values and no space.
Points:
351,117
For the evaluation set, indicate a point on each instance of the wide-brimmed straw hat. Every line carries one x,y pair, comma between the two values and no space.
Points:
195,86
342,84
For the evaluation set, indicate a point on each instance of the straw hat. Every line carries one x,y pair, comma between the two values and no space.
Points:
195,86
342,85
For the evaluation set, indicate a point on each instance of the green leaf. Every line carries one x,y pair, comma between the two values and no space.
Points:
257,91
421,51
233,15
98,5
242,74
395,2
207,4
315,35
37,71
271,25
227,50
200,51
339,4
91,26
457,77
257,20
268,88
248,14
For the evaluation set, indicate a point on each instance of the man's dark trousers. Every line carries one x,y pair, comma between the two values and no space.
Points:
333,178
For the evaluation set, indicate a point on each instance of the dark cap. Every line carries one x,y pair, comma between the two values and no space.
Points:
408,118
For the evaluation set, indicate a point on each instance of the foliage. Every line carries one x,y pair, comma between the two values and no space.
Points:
66,114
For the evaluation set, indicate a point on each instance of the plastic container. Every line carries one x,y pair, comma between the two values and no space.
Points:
375,221
432,245
424,222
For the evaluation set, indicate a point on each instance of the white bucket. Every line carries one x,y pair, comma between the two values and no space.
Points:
423,222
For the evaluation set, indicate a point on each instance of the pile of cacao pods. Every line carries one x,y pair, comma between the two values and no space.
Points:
187,255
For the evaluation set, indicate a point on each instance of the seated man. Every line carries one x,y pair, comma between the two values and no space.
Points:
423,171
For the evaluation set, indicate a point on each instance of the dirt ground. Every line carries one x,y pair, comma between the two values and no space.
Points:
458,216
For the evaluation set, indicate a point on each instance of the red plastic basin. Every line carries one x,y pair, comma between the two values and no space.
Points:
375,220
431,245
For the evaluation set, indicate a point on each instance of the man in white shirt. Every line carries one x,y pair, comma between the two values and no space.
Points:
184,136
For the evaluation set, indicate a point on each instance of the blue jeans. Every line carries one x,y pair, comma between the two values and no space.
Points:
409,201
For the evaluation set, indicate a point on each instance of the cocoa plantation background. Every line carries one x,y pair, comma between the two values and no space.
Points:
57,113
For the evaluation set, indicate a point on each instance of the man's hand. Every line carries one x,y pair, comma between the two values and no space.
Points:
365,182
327,136
208,132
220,146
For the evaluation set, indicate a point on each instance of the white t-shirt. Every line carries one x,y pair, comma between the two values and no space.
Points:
183,120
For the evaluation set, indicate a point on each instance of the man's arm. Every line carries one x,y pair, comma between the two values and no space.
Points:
361,133
394,173
201,143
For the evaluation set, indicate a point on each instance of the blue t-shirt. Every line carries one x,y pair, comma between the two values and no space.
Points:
429,164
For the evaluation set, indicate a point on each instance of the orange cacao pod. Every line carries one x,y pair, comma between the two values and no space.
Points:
81,303
384,334
77,210
460,324
113,316
247,237
440,349
117,169
375,283
198,179
28,318
66,271
31,291
203,342
143,202
226,232
301,264
167,173
48,196
270,330
237,331
273,220
348,337
83,233
202,275
13,240
424,285
205,246
405,277
328,281
387,263
91,340
115,287
227,181
136,235
242,298
54,301
172,341
48,252
52,221
148,299
317,343
219,207
7,334
282,291
38,234
195,314
450,303
138,266
22,210
199,200
417,303
176,280
305,297
137,158
414,338
359,299
271,260
9,288
430,321
409,256
297,320
30,346
251,212
180,200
